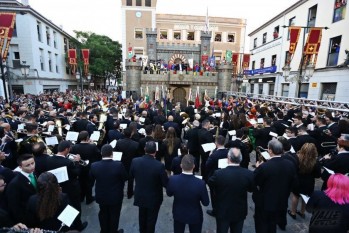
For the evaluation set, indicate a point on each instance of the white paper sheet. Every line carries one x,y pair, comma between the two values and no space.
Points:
113,143
51,128
61,174
222,163
117,156
21,126
292,150
273,134
19,140
232,132
218,114
253,121
157,146
208,146
141,119
265,155
68,215
199,177
44,124
51,141
305,198
179,152
123,126
67,127
195,110
329,171
285,125
260,120
95,136
72,136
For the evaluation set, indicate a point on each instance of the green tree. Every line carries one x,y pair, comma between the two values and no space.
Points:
105,54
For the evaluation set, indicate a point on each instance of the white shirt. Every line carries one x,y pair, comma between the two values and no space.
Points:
187,173
26,174
107,158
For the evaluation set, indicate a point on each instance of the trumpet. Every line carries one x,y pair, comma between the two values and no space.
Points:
81,162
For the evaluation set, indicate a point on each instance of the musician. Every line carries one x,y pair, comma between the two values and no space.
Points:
25,146
332,125
62,116
171,123
291,136
114,133
8,145
91,125
88,152
71,187
81,123
280,125
192,135
262,135
321,134
147,138
204,136
240,144
40,158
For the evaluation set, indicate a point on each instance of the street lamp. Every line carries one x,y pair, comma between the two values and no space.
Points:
25,69
78,77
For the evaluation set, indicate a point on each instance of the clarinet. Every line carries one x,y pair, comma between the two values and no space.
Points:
12,230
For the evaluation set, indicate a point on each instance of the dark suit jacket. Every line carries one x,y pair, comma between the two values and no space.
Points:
192,135
90,128
7,173
231,185
188,192
244,151
87,151
338,163
114,135
334,130
142,143
274,180
279,126
262,136
204,136
212,161
129,149
174,125
110,177
18,192
150,177
80,125
40,164
302,139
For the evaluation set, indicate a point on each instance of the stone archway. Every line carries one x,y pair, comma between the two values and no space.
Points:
176,58
179,95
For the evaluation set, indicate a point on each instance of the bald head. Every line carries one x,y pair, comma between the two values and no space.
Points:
6,126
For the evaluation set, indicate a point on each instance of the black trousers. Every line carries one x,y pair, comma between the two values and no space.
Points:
266,221
109,216
196,155
224,225
179,227
85,184
213,198
147,219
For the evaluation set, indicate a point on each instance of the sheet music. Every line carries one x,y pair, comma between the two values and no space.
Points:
253,121
141,119
72,136
265,155
20,126
223,163
51,128
329,171
260,120
208,146
95,136
157,146
117,156
113,143
179,152
123,126
61,174
273,134
51,141
305,198
199,177
68,215
232,132
67,127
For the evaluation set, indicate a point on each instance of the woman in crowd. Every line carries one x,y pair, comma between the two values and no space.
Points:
308,169
159,136
330,208
44,207
176,162
170,148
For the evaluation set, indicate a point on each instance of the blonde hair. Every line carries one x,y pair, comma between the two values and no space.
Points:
307,158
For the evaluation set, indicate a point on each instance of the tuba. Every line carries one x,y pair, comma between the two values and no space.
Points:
102,119
58,124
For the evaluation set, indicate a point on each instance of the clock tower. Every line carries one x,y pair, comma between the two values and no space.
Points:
137,16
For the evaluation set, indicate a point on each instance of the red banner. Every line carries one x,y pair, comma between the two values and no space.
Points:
72,60
235,59
7,23
294,37
86,57
313,42
246,61
204,59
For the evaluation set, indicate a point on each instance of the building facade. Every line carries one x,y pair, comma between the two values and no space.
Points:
269,45
42,46
176,39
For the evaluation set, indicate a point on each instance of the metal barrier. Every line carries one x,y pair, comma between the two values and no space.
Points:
323,104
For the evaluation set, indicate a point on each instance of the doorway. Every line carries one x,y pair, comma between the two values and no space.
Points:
179,95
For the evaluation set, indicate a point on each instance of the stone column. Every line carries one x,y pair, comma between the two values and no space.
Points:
224,78
205,47
151,35
133,78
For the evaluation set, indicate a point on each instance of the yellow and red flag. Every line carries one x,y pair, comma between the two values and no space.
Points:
313,42
7,23
246,61
72,59
86,57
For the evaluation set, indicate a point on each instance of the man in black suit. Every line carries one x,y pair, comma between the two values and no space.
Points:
40,158
332,125
280,125
147,138
192,135
71,187
322,134
25,146
188,192
171,123
262,134
303,137
274,180
237,143
129,149
231,185
150,176
91,125
21,188
88,152
204,136
212,165
110,177
81,123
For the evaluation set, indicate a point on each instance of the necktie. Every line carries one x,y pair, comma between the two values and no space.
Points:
32,180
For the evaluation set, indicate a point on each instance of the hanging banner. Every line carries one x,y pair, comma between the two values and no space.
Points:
294,37
235,59
228,56
204,59
130,52
313,42
72,60
7,23
246,61
86,57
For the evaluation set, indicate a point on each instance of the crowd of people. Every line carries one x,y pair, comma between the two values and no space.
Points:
185,150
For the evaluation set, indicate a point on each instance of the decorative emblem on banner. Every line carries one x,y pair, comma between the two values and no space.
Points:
7,23
86,57
246,61
72,60
235,59
294,37
312,46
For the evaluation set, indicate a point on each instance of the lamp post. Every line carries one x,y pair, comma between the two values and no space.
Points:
78,77
3,77
25,69
304,73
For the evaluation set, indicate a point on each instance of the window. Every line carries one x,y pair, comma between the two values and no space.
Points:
56,60
48,36
55,40
218,37
231,37
260,88
276,32
339,10
312,16
14,34
252,88
38,27
253,65
138,2
273,60
304,90
16,56
42,59
163,34
255,43
190,36
129,3
284,89
138,52
291,22
16,61
328,91
271,88
262,63
334,49
49,61
286,57
177,35
138,33
148,3
65,41
264,38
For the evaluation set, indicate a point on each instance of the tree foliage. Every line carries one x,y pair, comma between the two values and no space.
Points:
104,53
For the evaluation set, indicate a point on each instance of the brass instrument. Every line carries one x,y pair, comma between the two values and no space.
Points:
328,144
81,162
58,124
102,119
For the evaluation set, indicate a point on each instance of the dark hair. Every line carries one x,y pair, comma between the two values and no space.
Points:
38,148
285,143
63,145
158,133
149,129
188,162
31,127
170,139
127,132
91,116
267,120
184,149
294,130
239,133
24,157
2,132
116,124
280,115
83,136
220,140
48,193
150,147
106,150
